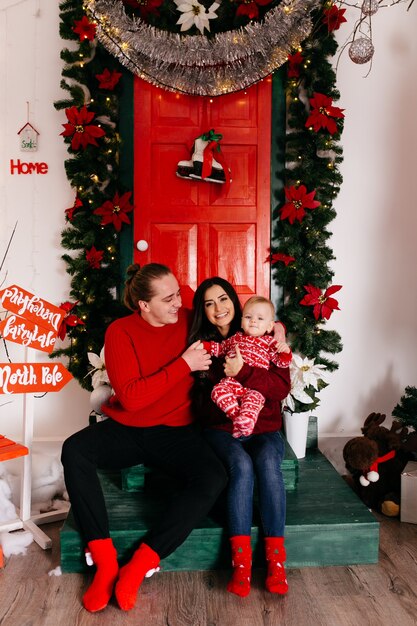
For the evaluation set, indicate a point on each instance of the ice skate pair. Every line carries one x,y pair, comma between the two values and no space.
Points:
207,161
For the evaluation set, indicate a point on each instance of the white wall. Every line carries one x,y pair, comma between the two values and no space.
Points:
374,232
30,70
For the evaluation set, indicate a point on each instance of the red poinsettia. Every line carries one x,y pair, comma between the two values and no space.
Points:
250,9
280,256
323,304
94,257
70,320
145,7
108,79
322,113
70,212
294,64
114,211
85,29
80,129
333,17
298,201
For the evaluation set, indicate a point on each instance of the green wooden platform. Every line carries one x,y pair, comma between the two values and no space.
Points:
326,523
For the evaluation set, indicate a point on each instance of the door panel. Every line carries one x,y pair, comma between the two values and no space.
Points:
200,229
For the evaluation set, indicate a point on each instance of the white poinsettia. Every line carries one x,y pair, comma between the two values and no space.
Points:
195,14
98,373
304,373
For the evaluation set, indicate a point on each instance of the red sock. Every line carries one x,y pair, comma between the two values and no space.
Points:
276,579
242,563
132,575
99,593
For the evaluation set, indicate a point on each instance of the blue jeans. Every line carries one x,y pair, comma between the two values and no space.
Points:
245,458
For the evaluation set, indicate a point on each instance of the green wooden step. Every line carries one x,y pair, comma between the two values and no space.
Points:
326,525
138,477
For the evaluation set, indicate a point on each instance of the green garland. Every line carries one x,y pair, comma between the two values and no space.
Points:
312,160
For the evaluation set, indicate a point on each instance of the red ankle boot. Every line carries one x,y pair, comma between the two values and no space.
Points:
242,563
104,556
276,579
132,575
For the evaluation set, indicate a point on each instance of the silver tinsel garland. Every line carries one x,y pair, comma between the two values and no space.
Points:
195,64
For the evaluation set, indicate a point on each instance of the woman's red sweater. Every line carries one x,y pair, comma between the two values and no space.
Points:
151,381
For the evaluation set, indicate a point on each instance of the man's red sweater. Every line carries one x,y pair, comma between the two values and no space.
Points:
151,381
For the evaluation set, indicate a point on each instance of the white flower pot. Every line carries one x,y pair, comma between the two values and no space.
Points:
296,429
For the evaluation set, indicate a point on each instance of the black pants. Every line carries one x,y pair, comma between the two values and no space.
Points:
179,451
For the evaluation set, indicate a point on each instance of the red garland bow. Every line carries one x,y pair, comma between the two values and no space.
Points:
70,320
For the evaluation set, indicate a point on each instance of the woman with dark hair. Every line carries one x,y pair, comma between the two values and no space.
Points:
217,316
150,421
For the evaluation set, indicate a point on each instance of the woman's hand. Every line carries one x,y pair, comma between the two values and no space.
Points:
233,364
196,357
279,332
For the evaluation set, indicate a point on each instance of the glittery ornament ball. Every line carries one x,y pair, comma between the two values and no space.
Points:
370,7
361,50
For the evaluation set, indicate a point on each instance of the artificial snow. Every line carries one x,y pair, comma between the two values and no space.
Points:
7,508
55,572
15,542
47,486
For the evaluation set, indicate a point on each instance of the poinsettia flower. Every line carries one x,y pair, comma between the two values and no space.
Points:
85,29
322,113
98,374
195,14
294,63
94,257
333,17
70,320
70,212
304,373
145,7
280,256
250,8
298,201
323,304
108,79
80,129
114,211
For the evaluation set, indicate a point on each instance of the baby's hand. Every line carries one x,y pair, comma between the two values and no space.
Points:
283,347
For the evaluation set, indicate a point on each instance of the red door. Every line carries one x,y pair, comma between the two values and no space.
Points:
198,228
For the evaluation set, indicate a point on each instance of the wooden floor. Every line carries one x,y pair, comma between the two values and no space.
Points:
384,594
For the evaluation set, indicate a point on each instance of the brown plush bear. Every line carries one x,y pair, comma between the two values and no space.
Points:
375,462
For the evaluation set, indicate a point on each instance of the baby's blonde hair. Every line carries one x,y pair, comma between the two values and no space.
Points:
260,300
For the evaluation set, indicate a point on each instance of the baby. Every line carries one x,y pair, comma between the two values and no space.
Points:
258,349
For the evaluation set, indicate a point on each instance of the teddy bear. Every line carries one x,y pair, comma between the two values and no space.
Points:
375,462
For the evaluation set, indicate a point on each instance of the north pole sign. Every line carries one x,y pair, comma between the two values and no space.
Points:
32,377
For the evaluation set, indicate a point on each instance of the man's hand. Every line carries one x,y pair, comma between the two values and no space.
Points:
196,357
233,364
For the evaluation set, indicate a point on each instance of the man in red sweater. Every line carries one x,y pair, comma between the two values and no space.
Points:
150,421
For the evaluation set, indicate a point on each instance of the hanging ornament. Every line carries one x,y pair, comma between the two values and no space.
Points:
370,7
207,162
361,50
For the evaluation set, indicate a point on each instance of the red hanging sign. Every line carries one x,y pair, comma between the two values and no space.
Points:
32,377
26,333
19,301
